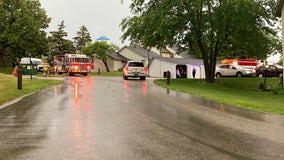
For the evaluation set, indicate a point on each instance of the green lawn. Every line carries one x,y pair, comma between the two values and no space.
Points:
6,70
241,92
9,85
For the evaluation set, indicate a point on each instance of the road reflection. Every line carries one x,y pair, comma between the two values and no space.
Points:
126,84
75,85
143,86
82,114
57,90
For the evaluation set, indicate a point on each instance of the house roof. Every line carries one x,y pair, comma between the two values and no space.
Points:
183,54
117,56
164,50
142,52
279,8
181,61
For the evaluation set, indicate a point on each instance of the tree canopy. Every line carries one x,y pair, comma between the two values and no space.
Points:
22,24
82,38
99,50
58,44
209,28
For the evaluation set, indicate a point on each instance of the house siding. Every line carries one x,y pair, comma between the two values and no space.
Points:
114,65
133,56
117,65
110,63
158,67
99,65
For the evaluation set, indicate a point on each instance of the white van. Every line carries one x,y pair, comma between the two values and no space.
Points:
34,61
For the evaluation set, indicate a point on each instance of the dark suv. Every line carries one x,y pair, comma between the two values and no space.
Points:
134,69
270,71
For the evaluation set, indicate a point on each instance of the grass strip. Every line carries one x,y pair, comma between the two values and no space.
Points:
242,92
9,86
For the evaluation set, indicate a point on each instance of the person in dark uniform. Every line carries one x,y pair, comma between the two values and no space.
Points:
193,72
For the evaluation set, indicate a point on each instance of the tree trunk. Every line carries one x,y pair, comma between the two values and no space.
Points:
209,61
209,72
105,63
4,60
210,66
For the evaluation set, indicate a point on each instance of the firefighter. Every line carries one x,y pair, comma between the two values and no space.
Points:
46,68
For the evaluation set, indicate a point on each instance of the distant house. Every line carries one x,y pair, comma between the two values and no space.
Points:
99,65
171,52
116,61
164,52
163,60
138,54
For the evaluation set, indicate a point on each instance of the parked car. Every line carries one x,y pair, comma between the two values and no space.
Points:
270,71
232,70
35,61
134,69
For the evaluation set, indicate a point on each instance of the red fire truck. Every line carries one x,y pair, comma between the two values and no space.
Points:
72,64
245,63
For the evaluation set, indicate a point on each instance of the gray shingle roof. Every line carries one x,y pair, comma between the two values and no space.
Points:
117,56
181,60
183,54
143,52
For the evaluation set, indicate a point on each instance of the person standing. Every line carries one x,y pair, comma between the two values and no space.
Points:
46,68
178,73
193,72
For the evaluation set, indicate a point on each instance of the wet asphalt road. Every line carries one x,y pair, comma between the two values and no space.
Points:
105,118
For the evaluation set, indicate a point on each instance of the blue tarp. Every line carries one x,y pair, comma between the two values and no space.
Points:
103,38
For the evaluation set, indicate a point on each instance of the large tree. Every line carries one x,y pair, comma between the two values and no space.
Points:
22,24
82,38
209,28
100,50
58,44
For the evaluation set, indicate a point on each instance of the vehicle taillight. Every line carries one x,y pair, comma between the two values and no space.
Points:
145,69
126,68
88,66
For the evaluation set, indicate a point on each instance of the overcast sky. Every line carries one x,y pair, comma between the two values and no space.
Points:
101,17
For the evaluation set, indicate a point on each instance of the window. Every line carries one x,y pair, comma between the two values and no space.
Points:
136,64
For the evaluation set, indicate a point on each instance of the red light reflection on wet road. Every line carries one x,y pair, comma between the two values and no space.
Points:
144,87
126,84
76,88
